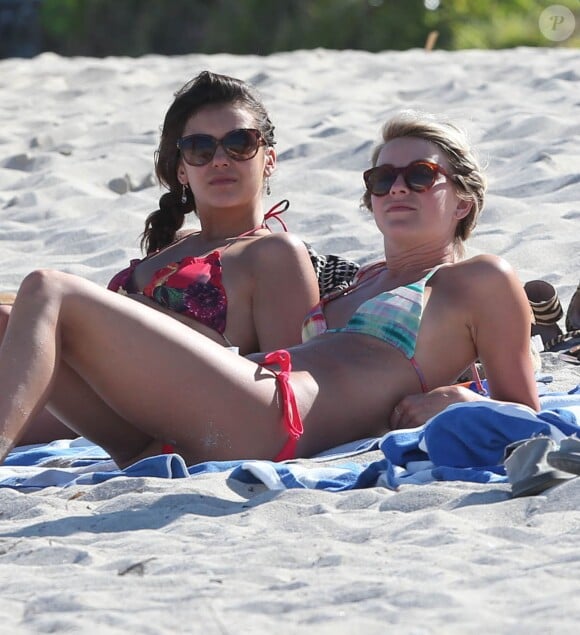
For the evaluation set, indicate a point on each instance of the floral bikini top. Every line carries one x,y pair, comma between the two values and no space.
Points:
193,285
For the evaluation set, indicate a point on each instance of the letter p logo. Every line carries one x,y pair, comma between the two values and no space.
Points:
557,23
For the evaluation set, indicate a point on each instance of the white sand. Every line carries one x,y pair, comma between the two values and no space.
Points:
77,138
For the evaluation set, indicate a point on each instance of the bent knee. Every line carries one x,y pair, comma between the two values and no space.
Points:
44,283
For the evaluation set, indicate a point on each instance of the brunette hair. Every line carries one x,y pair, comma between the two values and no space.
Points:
207,89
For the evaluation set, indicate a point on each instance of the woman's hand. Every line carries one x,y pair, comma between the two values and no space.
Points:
414,410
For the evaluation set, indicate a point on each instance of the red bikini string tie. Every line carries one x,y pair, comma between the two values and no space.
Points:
291,417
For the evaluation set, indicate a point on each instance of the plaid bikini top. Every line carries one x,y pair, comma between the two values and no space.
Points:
392,316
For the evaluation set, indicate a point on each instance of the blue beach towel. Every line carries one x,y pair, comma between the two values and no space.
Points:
465,442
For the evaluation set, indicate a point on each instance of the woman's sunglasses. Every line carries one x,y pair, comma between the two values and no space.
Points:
241,145
418,175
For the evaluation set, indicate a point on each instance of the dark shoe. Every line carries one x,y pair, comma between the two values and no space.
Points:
546,309
567,346
573,312
572,355
567,457
527,467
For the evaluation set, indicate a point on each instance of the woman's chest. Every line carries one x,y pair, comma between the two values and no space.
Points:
367,297
179,270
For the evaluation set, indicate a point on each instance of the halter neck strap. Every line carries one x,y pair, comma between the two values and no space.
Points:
274,212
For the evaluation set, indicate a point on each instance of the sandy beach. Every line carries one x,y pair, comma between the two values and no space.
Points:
203,554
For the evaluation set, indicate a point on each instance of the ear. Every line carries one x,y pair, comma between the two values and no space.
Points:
182,174
270,163
463,208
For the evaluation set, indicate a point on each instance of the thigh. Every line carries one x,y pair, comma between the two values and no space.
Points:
168,381
80,409
73,405
44,428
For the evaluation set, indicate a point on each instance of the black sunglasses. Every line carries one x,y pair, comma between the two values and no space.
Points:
418,175
241,145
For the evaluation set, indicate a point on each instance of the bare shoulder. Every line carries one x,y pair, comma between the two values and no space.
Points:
482,272
284,257
484,282
484,265
281,248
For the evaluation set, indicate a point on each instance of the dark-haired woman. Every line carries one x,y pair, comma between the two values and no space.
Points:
409,324
234,280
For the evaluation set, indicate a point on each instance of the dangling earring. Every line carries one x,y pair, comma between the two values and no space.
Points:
183,195
268,190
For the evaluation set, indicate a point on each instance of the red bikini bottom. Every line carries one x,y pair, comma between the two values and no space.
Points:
290,416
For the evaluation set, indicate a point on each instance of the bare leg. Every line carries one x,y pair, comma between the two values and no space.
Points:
161,380
45,426
71,400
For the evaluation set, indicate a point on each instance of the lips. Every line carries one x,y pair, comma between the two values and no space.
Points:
222,180
399,207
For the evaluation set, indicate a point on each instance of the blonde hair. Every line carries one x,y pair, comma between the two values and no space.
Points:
465,173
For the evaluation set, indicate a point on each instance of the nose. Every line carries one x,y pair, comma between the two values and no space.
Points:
220,156
399,186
